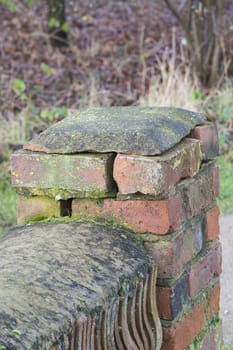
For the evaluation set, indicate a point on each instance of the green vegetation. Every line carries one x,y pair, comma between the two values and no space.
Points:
222,104
225,200
217,106
8,202
51,86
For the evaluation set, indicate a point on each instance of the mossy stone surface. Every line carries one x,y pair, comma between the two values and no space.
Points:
53,273
63,176
131,130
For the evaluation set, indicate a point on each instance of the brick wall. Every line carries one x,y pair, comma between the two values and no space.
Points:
168,200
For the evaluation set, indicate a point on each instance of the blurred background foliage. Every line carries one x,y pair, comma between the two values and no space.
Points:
57,56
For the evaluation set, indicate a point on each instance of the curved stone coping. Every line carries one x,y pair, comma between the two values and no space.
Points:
51,273
131,130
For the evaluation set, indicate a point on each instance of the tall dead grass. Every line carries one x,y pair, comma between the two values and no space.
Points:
175,85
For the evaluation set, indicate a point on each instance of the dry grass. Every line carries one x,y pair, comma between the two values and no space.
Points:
175,85
173,88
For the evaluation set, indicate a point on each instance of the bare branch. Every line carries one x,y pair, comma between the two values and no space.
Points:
183,24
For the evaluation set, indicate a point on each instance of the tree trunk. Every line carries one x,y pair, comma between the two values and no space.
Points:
56,21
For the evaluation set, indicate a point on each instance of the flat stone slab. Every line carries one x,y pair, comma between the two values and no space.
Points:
131,130
51,273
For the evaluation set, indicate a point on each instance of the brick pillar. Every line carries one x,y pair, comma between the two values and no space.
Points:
181,233
168,200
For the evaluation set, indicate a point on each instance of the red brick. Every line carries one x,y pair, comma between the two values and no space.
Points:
171,300
64,176
141,216
184,331
212,224
36,207
156,175
163,295
208,136
205,269
201,191
171,256
212,301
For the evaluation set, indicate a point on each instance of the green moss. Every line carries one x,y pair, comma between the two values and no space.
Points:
113,130
38,218
127,285
8,202
59,193
81,219
199,340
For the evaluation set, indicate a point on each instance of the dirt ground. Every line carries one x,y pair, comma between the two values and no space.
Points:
226,225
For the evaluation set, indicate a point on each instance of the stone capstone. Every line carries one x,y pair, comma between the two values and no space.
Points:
55,273
130,130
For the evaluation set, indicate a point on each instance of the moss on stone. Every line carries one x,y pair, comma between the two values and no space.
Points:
42,294
132,130
60,193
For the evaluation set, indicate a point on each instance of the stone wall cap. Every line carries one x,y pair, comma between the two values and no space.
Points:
131,130
51,273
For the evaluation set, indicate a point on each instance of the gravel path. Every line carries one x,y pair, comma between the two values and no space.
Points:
226,225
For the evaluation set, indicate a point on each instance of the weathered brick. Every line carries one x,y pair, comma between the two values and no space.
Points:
212,341
172,255
64,176
212,223
156,175
204,269
208,136
201,191
170,300
36,208
184,331
212,301
141,216
163,295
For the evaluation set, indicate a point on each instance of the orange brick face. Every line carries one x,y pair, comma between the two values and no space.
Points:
157,175
208,136
29,208
201,191
164,302
212,224
183,332
171,300
78,175
213,301
205,269
141,216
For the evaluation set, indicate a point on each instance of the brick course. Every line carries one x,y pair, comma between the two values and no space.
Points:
170,200
173,254
204,269
158,217
201,191
182,333
64,176
36,208
170,300
157,175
